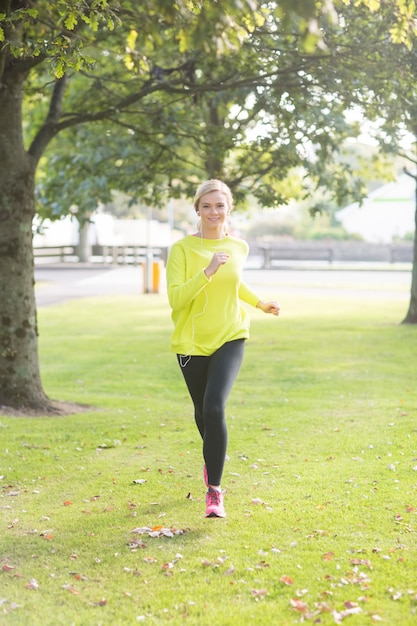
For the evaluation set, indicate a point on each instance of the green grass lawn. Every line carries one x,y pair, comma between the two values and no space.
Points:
321,476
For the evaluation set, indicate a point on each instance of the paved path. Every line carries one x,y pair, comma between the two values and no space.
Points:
62,282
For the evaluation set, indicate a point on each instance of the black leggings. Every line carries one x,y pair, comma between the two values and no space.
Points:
209,380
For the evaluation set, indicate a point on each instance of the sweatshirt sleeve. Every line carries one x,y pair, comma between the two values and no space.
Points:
247,295
181,292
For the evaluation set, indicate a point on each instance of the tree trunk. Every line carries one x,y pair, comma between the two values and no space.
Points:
215,152
20,382
411,317
84,250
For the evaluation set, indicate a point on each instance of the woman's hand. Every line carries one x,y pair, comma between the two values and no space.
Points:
269,307
218,259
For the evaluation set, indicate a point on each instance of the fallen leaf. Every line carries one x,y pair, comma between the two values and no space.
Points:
7,568
301,592
136,543
287,580
299,605
352,609
167,566
149,559
159,531
366,562
32,584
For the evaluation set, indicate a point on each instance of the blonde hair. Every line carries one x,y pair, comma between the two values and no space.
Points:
213,185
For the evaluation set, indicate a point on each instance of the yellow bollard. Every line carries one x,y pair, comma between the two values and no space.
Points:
156,276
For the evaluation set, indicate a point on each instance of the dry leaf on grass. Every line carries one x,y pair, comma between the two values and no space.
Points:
136,543
287,580
32,584
7,568
366,562
159,531
351,609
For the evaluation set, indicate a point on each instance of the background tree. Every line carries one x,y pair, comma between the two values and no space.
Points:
384,89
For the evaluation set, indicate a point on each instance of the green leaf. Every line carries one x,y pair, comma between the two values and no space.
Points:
59,69
71,21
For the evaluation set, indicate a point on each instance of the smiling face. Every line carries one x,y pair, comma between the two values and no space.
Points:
213,209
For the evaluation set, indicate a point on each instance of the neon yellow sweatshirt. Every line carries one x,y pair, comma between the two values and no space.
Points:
207,312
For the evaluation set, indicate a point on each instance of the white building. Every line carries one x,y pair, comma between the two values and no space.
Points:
104,230
386,213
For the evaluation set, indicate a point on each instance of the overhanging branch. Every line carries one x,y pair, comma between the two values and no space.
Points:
50,126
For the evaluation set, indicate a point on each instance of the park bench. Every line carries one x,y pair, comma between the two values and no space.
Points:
271,252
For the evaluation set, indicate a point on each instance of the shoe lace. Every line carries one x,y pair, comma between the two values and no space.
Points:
214,496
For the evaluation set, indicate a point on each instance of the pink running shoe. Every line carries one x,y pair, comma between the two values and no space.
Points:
214,503
205,476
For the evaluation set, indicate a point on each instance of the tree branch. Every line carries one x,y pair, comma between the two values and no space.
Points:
176,87
50,127
407,171
4,8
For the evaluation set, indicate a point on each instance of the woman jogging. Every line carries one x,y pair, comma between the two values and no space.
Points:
210,324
